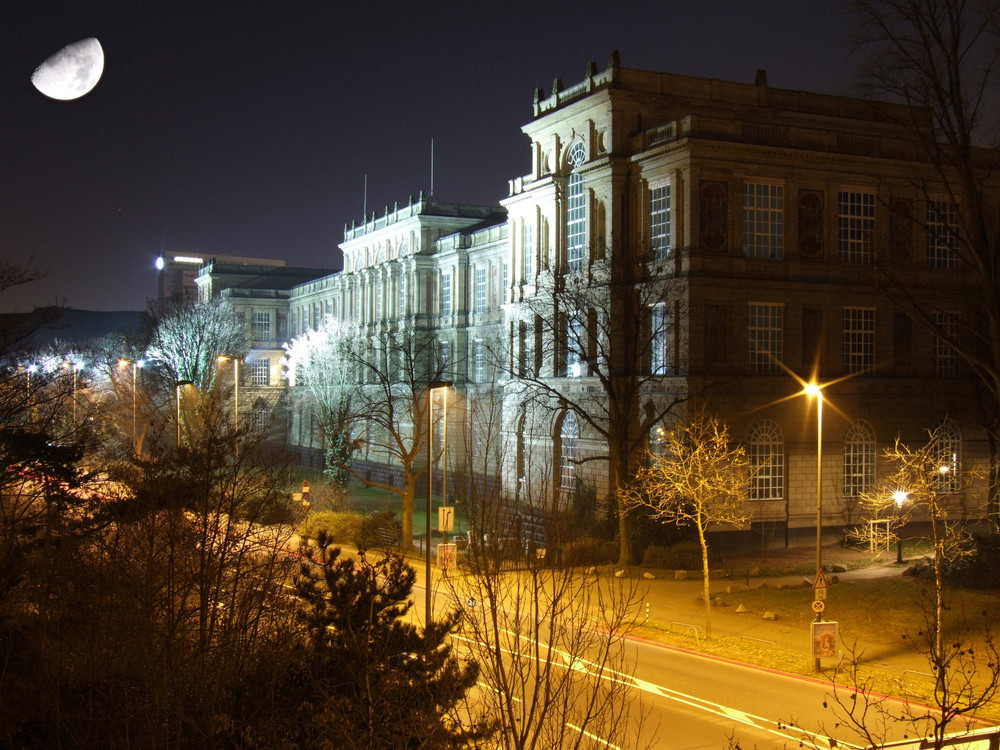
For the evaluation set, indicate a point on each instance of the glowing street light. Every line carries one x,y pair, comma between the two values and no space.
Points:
136,366
178,389
76,367
815,390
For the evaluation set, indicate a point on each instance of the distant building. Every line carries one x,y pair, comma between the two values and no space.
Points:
176,272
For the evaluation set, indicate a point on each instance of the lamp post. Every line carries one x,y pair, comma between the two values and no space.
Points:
236,389
75,366
431,387
900,497
178,389
136,366
813,389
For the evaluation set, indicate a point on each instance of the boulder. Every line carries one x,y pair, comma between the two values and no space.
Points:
648,576
769,616
741,609
733,589
680,575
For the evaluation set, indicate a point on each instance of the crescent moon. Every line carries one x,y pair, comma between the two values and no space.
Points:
71,72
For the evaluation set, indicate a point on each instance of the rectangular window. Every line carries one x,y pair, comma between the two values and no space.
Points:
444,350
943,353
942,235
504,283
480,290
658,340
402,291
576,223
765,327
856,227
479,363
763,220
378,301
261,326
528,253
446,294
260,372
576,342
859,338
659,222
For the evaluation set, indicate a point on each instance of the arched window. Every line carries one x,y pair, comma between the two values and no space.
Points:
948,455
859,459
766,452
569,433
576,210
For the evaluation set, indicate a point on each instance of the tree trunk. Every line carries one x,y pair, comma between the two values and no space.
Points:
704,578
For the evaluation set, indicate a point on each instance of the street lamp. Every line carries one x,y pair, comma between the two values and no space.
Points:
75,366
178,389
813,389
900,497
431,387
136,366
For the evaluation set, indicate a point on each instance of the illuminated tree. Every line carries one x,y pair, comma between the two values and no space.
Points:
699,480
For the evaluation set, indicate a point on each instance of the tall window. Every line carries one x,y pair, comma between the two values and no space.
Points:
766,454
260,372
528,252
764,333
943,353
859,338
763,220
261,326
446,293
260,417
948,456
659,222
576,211
658,440
568,436
859,459
444,350
658,339
479,362
576,342
402,290
378,301
942,235
504,282
856,227
480,290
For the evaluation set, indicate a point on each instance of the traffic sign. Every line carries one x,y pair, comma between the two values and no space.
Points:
446,556
818,606
446,518
821,582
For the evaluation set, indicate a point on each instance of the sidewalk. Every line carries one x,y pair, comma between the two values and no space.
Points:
674,604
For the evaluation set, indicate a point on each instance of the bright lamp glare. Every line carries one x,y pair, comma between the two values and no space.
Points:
186,259
811,389
159,263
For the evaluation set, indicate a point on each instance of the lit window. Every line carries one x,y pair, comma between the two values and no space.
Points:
763,220
479,362
947,456
446,294
765,337
659,222
658,342
480,290
261,326
766,454
942,235
504,282
576,343
378,301
859,338
943,352
856,227
568,436
658,440
528,252
576,212
402,290
859,459
260,372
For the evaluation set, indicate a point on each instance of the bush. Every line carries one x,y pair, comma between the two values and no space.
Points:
340,526
979,568
679,556
589,551
379,530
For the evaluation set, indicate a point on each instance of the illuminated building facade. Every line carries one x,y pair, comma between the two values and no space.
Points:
769,211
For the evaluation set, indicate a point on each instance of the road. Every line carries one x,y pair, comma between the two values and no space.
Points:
698,701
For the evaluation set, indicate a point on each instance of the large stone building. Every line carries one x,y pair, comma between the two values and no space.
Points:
762,214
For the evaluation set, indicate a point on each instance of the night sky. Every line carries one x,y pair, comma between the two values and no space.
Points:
248,127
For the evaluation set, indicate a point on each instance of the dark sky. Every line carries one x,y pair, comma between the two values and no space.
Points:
248,127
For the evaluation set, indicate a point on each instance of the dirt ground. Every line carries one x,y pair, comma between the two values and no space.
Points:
781,560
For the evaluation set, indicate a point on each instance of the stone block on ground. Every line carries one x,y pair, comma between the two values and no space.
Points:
680,575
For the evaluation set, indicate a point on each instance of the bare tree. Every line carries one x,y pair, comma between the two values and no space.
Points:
699,480
393,374
550,638
616,324
940,58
